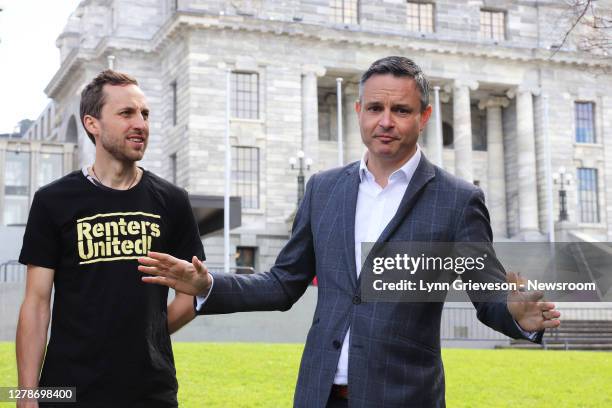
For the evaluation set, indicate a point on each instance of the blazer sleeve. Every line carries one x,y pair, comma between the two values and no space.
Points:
474,227
283,285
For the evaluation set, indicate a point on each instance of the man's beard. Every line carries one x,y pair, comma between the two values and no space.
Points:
119,151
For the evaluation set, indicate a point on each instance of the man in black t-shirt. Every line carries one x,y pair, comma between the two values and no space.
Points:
110,334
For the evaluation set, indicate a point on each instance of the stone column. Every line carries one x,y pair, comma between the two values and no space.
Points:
427,138
310,112
527,180
438,118
496,197
353,147
462,123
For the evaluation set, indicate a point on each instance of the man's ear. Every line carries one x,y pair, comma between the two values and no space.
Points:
425,115
358,106
91,124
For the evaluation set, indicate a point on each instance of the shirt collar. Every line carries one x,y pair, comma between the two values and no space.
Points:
407,168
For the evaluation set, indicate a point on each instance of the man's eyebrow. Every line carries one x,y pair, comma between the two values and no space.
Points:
403,106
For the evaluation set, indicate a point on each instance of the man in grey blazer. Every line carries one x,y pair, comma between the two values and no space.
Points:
368,354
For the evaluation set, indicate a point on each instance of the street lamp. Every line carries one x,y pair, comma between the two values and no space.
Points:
300,163
563,179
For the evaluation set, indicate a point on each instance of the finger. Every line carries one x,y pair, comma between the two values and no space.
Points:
151,270
145,260
551,324
198,265
160,280
160,256
511,277
551,315
546,306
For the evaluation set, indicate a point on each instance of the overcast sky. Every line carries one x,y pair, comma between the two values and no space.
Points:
28,56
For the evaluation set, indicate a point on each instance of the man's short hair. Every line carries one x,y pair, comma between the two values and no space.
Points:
398,67
93,98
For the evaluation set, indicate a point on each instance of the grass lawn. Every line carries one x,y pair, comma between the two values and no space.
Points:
263,375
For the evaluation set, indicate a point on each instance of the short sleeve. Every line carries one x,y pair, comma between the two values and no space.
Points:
41,241
186,241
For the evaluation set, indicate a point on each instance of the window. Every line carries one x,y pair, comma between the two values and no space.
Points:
245,175
585,123
588,205
245,258
50,168
492,25
420,17
328,114
16,188
345,11
245,95
174,103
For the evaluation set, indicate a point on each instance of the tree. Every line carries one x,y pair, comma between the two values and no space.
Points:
591,27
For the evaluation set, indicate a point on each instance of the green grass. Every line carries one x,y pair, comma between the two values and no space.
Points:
263,375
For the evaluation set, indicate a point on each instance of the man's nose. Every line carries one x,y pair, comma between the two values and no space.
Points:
386,121
139,121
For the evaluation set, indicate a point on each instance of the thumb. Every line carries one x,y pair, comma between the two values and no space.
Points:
513,278
198,265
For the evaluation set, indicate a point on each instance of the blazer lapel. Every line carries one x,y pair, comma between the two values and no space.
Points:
350,189
424,172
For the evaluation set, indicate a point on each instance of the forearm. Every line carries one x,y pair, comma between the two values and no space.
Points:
274,290
31,341
180,312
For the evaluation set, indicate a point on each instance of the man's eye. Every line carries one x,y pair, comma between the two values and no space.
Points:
145,115
374,108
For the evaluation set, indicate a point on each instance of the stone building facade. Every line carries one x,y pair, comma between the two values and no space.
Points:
489,61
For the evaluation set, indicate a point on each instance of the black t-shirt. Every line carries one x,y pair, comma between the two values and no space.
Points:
109,333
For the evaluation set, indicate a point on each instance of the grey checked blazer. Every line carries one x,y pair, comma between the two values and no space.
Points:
394,353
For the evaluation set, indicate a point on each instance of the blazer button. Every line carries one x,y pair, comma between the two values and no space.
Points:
357,300
336,344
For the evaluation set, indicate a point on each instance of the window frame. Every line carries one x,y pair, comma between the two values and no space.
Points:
593,127
234,93
253,184
492,13
339,12
431,17
589,211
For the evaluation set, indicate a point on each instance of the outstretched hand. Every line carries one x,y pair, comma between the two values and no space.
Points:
189,278
528,308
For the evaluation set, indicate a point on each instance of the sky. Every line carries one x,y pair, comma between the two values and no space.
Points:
28,55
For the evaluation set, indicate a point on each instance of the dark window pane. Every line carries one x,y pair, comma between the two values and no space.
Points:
245,175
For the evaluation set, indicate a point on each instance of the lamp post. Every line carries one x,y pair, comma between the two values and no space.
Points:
300,163
563,179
